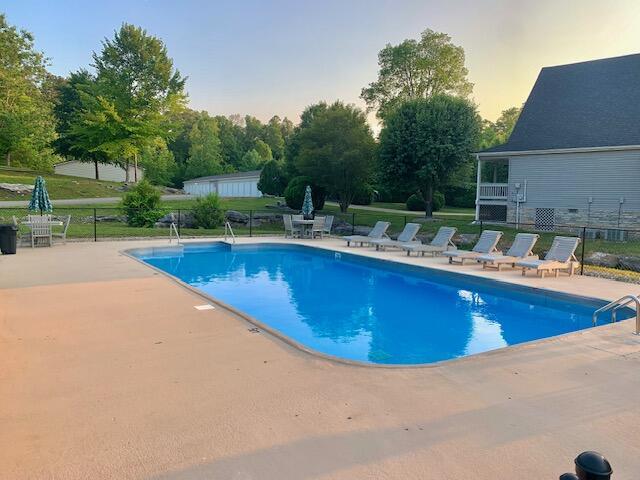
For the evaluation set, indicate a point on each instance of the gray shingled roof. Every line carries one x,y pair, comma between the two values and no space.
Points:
588,104
252,173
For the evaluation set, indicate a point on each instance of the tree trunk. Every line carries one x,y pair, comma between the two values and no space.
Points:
135,167
126,172
95,163
9,159
428,200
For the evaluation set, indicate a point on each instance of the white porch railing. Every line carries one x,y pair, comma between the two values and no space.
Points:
494,191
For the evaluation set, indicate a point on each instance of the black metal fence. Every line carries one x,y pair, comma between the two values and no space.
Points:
601,245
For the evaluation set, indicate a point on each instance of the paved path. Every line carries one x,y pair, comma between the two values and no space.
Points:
85,201
400,212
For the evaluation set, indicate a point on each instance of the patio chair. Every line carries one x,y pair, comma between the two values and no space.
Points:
521,249
66,220
290,231
297,217
406,237
328,223
486,244
561,256
378,231
40,228
440,243
317,229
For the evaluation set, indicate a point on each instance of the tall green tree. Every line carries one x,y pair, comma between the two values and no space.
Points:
27,124
136,87
499,132
273,179
336,149
273,136
416,69
205,156
424,142
231,141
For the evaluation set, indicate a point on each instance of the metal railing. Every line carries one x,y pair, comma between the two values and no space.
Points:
618,304
229,231
173,230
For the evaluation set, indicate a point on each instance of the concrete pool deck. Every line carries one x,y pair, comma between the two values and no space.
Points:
108,371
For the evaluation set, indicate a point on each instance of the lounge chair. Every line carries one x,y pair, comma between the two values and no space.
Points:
328,223
317,228
290,231
378,231
440,243
521,249
561,256
486,244
406,237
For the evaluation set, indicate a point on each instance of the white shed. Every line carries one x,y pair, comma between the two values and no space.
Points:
106,171
239,184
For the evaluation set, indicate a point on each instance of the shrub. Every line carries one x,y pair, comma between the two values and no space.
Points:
294,193
463,196
415,203
141,205
272,179
382,194
363,196
207,212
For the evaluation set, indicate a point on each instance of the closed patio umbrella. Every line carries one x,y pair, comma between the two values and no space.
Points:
40,197
307,204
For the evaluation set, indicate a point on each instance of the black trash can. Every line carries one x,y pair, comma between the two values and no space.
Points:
8,239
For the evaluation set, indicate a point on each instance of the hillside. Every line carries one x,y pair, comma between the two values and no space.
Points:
58,186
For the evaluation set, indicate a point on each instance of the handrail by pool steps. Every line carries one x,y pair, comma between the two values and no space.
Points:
229,231
616,305
173,230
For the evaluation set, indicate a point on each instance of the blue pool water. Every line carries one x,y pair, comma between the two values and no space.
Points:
370,310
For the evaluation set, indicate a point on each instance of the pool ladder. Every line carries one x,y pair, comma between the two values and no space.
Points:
228,231
173,230
617,305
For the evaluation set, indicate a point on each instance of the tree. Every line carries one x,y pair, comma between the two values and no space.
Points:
336,149
498,133
273,180
27,125
263,150
205,157
274,138
231,141
424,142
136,86
251,160
414,69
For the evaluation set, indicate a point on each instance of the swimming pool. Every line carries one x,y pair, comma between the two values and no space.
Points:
369,310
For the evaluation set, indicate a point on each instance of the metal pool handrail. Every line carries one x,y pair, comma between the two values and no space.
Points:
616,305
229,231
173,230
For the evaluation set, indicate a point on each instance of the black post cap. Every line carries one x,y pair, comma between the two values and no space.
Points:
592,466
569,476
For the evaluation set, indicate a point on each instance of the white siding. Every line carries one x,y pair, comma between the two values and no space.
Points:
107,172
568,180
225,187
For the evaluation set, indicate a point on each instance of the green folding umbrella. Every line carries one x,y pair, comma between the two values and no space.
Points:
40,197
307,204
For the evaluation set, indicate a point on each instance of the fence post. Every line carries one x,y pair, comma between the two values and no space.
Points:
405,220
584,240
95,225
179,216
251,223
481,227
353,223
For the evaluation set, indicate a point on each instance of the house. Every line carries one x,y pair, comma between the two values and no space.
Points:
574,155
106,171
239,184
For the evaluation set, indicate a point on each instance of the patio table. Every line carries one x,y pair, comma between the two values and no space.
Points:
305,225
53,223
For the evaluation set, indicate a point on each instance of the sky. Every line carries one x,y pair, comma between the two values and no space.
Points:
276,57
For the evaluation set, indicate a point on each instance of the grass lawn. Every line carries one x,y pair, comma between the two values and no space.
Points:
59,186
402,206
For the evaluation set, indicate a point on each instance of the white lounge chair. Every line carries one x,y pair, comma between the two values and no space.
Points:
440,243
486,244
521,249
290,231
406,237
378,231
561,256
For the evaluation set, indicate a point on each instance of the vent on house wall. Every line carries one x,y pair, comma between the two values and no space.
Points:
545,218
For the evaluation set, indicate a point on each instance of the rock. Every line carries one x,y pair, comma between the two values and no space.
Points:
601,259
425,220
629,263
236,217
19,188
281,207
104,218
267,217
186,220
465,238
172,191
